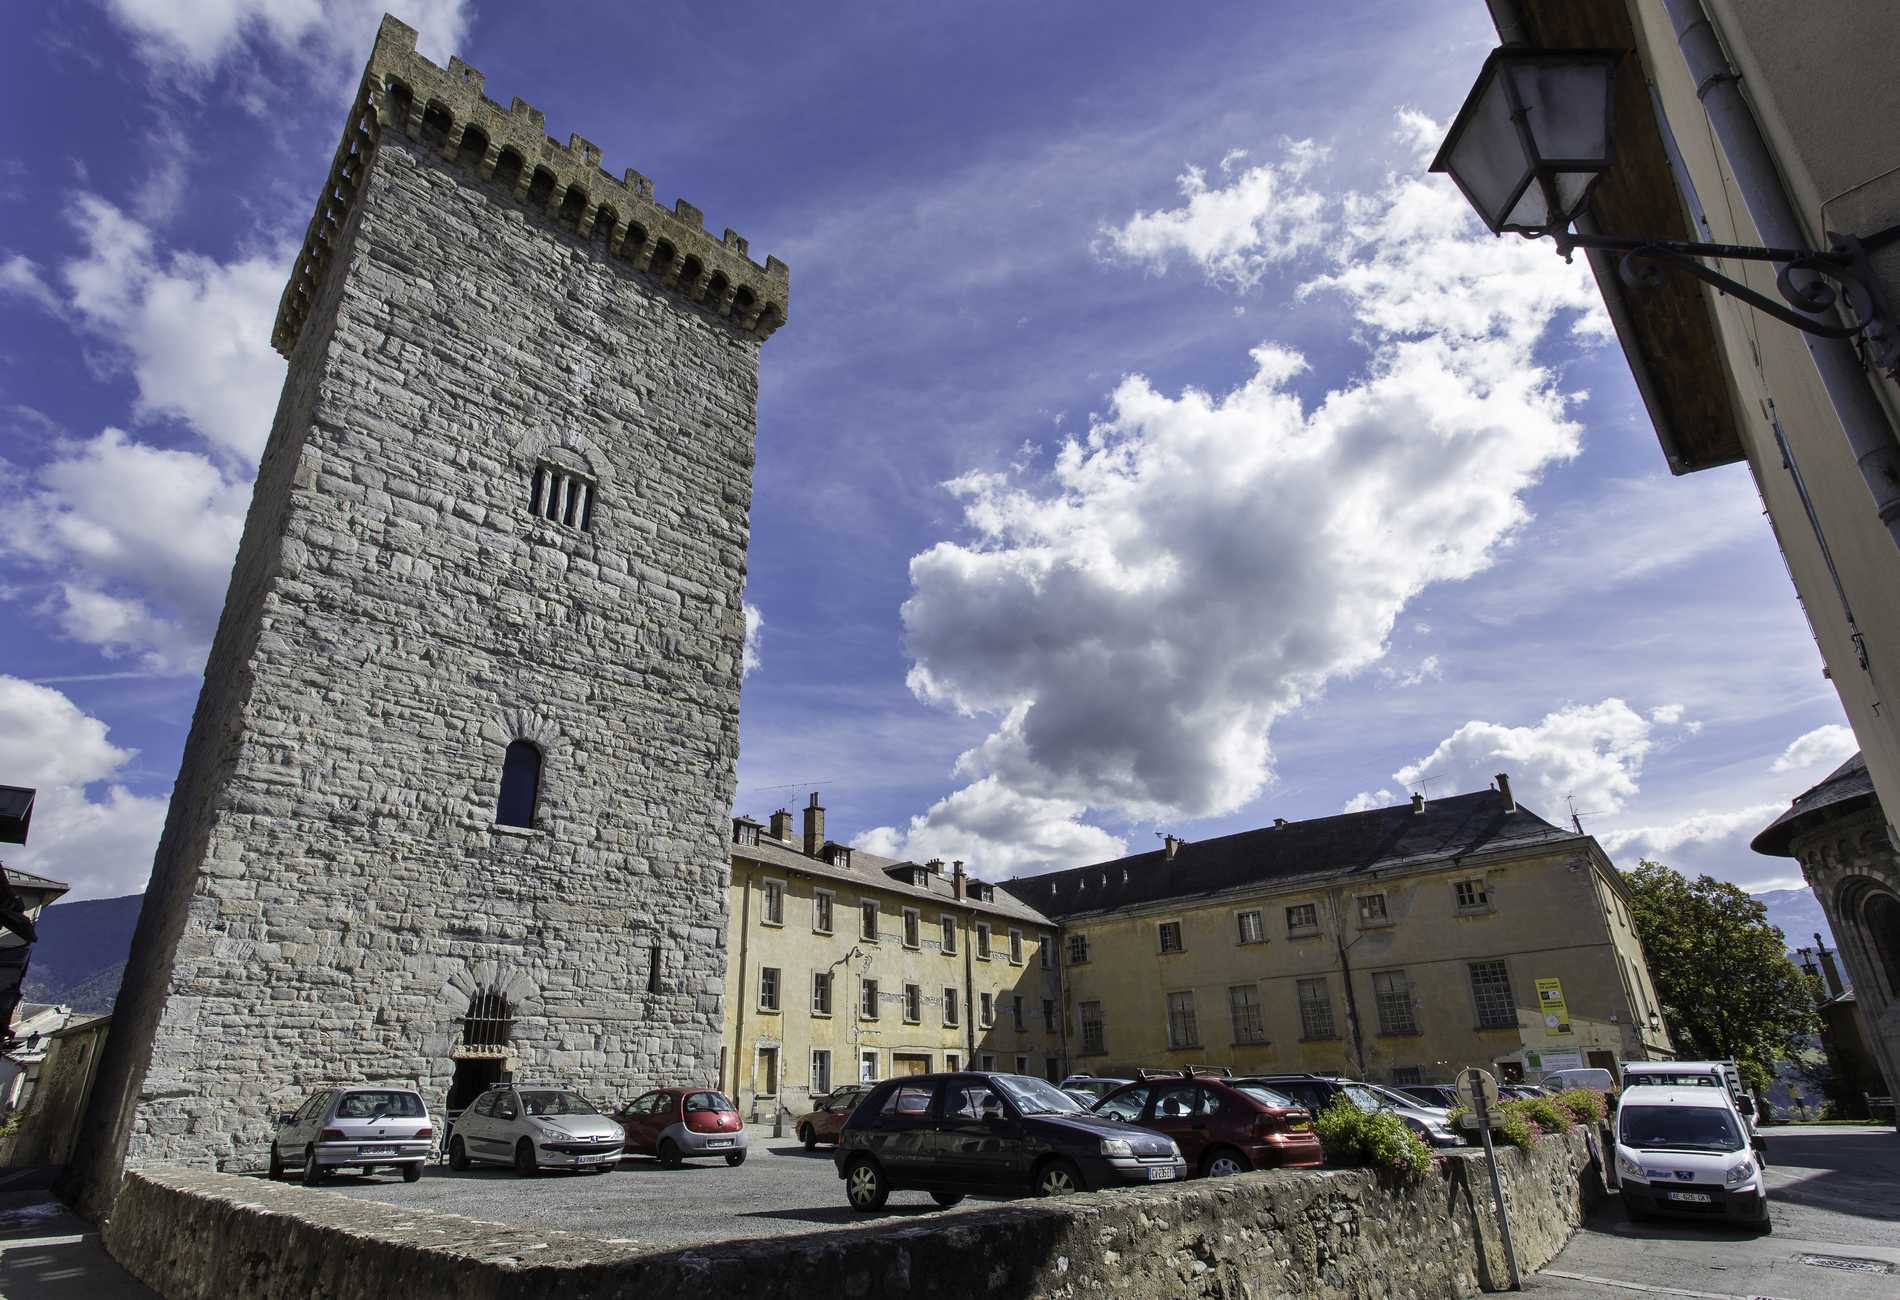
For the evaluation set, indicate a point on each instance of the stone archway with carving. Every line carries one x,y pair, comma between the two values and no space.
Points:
568,451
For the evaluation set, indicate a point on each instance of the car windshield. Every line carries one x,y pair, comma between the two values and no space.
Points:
1678,1128
551,1101
377,1105
703,1101
1037,1097
1391,1098
1265,1095
1362,1097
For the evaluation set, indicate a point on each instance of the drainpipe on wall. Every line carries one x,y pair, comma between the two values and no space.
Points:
1870,434
738,1031
1336,897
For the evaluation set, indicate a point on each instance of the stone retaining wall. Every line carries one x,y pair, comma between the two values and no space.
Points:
1329,1235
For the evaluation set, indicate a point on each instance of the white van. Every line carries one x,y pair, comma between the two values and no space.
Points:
1591,1077
1723,1075
1684,1151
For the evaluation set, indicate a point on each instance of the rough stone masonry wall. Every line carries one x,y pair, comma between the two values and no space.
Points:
1318,1235
331,886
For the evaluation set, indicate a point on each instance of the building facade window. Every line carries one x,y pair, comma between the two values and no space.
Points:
867,1065
1016,1011
982,941
1169,934
1491,992
1244,1002
1472,895
768,988
1078,949
952,1062
821,993
821,905
1372,909
767,1076
772,911
948,923
986,1015
949,1007
1048,1015
1015,947
561,496
867,1000
986,1062
1043,947
913,928
1094,1031
1316,1011
1253,926
1184,1028
520,784
1404,1074
820,1071
1022,1065
1302,917
913,1004
1392,993
1051,1068
868,911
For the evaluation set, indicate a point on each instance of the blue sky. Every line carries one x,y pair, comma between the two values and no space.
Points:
1151,447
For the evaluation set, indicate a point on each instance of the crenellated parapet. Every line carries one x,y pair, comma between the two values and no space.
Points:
445,111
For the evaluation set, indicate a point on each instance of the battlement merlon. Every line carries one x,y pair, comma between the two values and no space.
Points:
445,110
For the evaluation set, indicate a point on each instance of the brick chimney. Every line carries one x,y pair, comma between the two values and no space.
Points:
814,827
956,879
1279,821
782,825
1418,802
1171,845
1504,788
1829,970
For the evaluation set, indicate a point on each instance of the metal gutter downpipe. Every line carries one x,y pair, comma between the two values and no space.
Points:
1849,388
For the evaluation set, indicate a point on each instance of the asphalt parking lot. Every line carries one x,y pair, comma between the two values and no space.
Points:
781,1188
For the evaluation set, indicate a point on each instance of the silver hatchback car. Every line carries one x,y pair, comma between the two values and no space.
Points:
362,1128
535,1128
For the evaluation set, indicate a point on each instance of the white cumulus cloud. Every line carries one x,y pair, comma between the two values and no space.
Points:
1367,800
1198,564
1700,827
754,630
1828,746
102,846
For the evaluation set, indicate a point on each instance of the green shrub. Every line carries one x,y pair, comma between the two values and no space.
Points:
1514,1126
1380,1140
1584,1105
1546,1114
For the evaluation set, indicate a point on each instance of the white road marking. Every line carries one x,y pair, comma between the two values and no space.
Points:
28,1242
1649,1289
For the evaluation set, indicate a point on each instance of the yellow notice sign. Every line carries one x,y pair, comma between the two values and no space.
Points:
1550,1005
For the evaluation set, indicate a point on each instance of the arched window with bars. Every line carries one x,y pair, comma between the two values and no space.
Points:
490,1022
562,496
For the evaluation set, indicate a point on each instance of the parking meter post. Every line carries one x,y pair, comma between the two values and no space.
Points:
1497,1188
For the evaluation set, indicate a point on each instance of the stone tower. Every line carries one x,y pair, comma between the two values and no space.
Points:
454,801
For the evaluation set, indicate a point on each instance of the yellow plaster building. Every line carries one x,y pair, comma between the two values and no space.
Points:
843,966
1398,944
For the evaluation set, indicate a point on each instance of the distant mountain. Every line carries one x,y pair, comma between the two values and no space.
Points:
1798,913
81,952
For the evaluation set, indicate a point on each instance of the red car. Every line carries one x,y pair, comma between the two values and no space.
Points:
675,1124
1222,1128
825,1120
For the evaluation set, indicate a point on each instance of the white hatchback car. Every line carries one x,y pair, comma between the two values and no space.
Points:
362,1128
1684,1151
535,1128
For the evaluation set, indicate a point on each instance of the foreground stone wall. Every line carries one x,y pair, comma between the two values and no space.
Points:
1329,1235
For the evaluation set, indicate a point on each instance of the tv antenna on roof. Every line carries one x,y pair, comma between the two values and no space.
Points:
1576,817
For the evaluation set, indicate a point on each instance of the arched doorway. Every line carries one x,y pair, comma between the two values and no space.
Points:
1880,915
481,1059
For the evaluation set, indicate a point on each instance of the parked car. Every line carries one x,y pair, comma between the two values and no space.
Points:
1724,1076
361,1128
1443,1095
1318,1091
1222,1128
535,1128
1592,1077
1520,1091
676,1124
825,1120
1094,1086
1684,1151
990,1134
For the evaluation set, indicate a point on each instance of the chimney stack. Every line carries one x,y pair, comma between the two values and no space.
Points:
1504,788
1279,821
814,827
782,825
935,866
1418,802
1829,971
1173,846
956,879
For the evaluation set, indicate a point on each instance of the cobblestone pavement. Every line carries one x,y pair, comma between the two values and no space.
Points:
779,1189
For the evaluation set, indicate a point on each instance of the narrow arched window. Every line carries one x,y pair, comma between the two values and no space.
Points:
520,785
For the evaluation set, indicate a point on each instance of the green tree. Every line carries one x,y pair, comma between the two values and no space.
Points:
1727,986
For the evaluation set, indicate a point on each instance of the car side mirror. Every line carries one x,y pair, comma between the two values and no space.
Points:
285,1118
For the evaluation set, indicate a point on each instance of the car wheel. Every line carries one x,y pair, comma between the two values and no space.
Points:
669,1154
412,1173
735,1159
808,1137
864,1185
945,1200
276,1164
525,1162
1224,1162
1765,1225
313,1173
1059,1178
458,1155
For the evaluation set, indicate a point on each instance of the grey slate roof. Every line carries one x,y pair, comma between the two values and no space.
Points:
1848,788
869,871
1320,848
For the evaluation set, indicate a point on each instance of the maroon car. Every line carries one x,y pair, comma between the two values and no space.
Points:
1221,1128
825,1120
675,1124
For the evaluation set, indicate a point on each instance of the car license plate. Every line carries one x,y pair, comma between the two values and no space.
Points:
1162,1174
1700,1198
720,1142
376,1151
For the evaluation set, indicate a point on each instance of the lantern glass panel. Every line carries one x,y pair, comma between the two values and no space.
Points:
1487,158
1567,106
